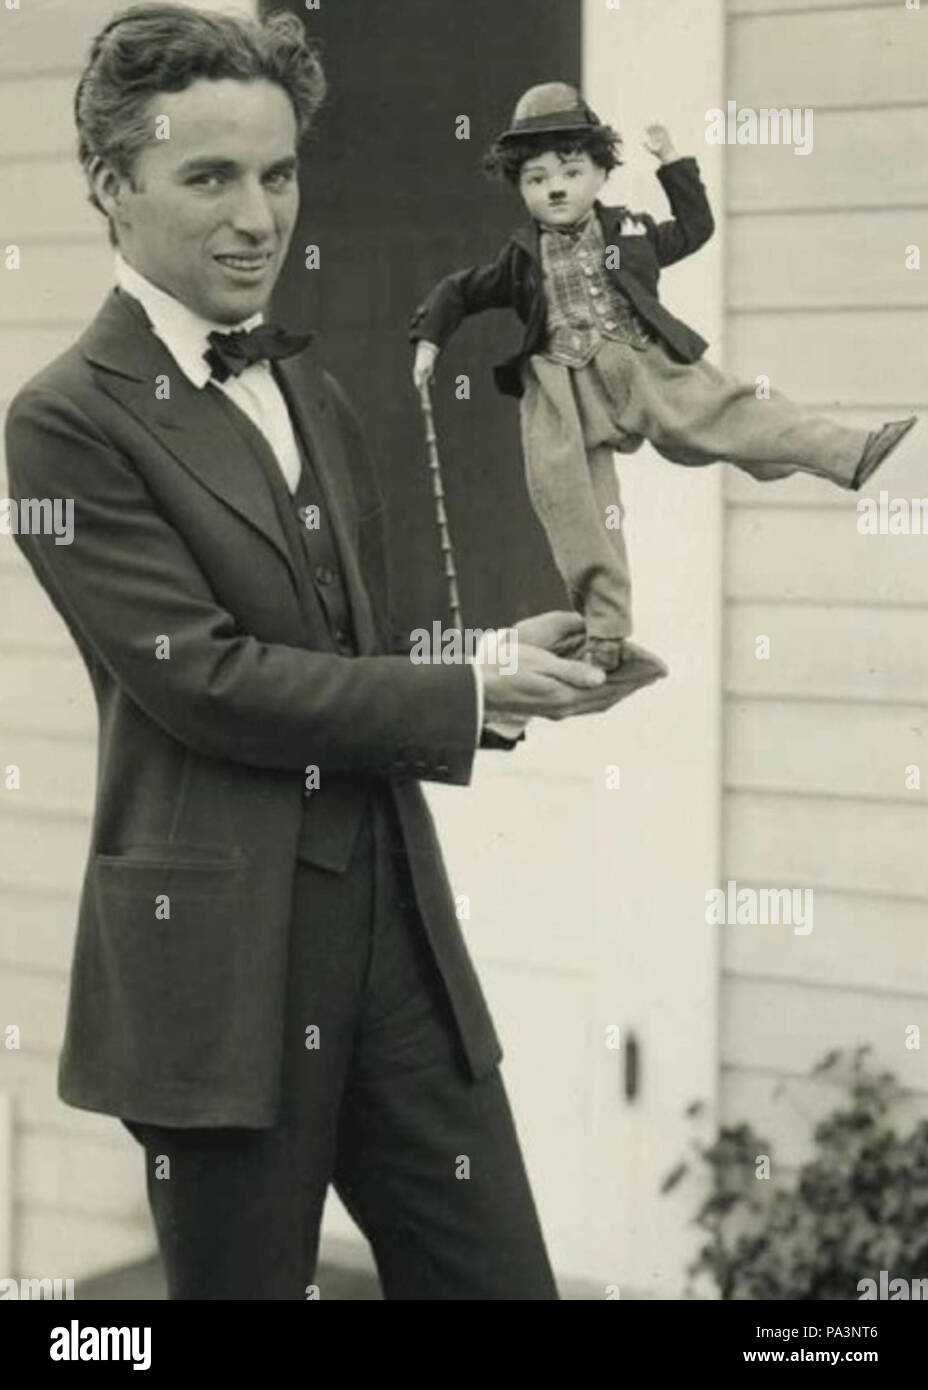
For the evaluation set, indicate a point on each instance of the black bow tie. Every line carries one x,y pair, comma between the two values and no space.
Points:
230,353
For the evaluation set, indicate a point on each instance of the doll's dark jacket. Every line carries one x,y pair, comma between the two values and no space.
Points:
515,280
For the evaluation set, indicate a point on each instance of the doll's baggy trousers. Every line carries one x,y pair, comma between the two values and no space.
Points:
572,419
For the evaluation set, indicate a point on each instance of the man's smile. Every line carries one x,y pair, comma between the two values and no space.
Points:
248,263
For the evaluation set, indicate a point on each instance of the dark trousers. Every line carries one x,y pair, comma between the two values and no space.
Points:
380,1104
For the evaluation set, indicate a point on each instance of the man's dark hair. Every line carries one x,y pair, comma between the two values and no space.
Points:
155,48
504,159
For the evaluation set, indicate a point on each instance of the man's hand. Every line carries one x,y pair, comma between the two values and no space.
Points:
552,687
424,366
657,141
559,632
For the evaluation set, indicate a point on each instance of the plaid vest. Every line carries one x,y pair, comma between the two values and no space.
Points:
584,306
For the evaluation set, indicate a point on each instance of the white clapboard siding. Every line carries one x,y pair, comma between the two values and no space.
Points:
60,1243
808,747
787,1119
27,616
777,553
46,693
35,1003
56,776
883,58
51,284
821,842
762,8
27,863
903,474
860,158
11,559
821,652
844,356
62,213
848,259
48,35
32,1079
25,351
43,211
21,98
857,942
39,935
818,738
108,1174
782,1028
820,299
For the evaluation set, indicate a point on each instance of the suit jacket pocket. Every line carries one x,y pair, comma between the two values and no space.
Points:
173,933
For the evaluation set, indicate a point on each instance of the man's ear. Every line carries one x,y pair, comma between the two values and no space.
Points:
108,188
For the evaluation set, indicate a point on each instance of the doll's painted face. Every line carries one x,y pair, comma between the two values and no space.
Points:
560,189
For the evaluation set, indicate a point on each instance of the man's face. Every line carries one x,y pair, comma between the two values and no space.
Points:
560,189
216,203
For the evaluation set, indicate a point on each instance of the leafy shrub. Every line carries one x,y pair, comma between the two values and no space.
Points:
858,1206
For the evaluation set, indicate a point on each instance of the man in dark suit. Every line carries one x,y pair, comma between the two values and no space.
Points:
269,984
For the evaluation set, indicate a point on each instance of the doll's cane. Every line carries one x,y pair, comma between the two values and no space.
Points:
441,516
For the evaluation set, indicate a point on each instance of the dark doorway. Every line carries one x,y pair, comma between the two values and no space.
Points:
394,201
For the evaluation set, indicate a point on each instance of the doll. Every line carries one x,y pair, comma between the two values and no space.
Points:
603,365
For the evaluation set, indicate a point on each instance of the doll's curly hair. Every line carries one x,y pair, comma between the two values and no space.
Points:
505,158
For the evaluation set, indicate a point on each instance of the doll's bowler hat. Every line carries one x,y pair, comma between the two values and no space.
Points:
550,107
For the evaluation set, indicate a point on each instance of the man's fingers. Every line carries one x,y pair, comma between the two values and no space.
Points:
553,631
566,621
619,685
580,675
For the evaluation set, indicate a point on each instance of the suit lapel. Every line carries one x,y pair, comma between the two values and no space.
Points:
191,424
610,219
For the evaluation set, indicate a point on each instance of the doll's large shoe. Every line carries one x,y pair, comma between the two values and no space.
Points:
634,668
878,446
604,652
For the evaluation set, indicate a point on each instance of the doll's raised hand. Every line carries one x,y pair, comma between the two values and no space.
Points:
657,141
424,366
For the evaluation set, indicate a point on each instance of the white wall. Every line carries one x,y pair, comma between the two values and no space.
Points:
818,737
662,61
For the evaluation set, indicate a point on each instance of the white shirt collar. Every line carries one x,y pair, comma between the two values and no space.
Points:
183,332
